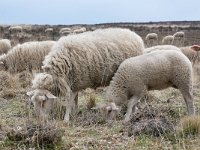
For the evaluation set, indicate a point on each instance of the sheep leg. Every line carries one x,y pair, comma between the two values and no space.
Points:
189,102
72,104
131,107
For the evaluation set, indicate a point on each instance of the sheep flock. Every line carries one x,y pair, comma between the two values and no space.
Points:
80,87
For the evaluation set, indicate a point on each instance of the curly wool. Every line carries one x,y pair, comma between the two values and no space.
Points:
90,59
28,56
5,46
153,71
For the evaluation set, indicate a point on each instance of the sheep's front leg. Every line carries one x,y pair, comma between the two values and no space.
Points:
71,103
67,113
130,108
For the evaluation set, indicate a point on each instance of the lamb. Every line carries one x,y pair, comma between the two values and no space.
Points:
5,46
81,30
179,38
153,71
28,56
151,39
168,40
76,62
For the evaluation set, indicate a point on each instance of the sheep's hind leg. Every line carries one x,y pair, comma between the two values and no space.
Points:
131,107
187,95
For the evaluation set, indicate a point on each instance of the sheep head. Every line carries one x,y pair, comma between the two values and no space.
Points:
110,110
42,101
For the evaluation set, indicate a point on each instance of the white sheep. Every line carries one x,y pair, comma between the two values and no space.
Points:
49,30
81,30
179,38
151,39
86,60
168,40
65,29
15,29
28,56
5,46
153,71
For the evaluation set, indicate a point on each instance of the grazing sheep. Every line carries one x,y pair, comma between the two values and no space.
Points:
179,38
168,40
28,56
76,62
49,30
5,46
15,29
192,52
81,30
153,71
151,39
161,47
65,29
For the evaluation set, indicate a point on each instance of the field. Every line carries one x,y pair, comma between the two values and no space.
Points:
160,121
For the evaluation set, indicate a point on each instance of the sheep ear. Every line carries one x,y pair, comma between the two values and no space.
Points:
1,63
50,96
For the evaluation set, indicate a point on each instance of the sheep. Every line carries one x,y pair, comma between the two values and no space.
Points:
15,29
5,46
168,40
64,29
179,38
49,30
151,39
76,62
28,56
81,30
152,71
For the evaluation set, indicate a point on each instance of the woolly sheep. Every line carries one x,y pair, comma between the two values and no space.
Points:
168,40
65,29
28,56
5,46
151,39
81,30
192,53
76,62
179,38
15,29
153,71
49,30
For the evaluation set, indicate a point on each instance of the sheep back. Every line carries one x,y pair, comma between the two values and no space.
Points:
90,59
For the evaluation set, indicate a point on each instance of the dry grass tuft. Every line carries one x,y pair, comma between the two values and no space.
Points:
90,98
40,136
189,126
